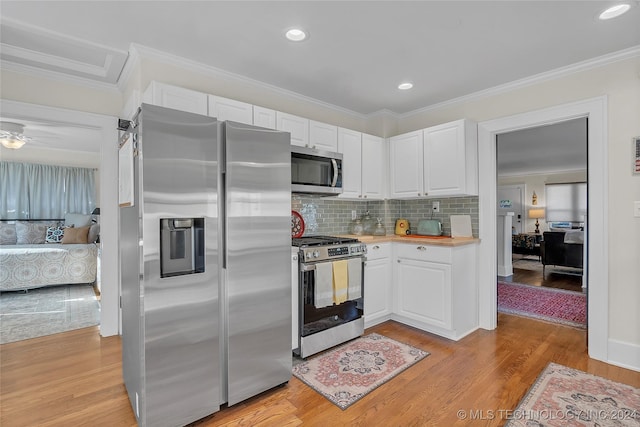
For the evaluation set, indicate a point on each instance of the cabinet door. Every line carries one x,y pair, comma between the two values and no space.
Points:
323,136
349,144
176,97
298,127
424,292
450,159
230,109
374,172
406,165
377,290
264,117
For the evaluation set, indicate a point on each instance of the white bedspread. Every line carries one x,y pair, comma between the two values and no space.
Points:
34,266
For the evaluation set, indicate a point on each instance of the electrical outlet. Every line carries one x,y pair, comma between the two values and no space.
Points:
354,215
436,207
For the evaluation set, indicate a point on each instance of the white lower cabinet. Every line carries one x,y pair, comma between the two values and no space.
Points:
378,277
436,289
424,292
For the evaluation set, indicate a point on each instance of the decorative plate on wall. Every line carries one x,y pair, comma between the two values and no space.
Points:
297,225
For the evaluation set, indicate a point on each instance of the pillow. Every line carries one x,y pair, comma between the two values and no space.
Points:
75,235
77,220
94,232
30,233
8,234
54,234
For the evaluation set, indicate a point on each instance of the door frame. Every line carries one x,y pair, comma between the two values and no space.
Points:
595,109
106,128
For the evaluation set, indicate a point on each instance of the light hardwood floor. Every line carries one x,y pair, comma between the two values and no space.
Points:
74,379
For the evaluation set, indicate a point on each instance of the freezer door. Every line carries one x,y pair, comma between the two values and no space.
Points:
179,172
258,242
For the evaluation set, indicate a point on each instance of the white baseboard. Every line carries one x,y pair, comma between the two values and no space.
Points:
624,354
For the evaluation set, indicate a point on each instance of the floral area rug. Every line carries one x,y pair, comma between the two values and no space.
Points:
563,396
552,305
346,374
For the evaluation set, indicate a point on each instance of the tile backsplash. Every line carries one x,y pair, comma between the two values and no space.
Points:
330,216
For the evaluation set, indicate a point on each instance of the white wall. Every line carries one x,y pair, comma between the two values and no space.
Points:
536,183
620,81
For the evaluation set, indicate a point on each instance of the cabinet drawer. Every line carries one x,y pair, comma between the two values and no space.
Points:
424,253
378,250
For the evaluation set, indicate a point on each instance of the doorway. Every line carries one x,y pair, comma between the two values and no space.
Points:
105,130
598,307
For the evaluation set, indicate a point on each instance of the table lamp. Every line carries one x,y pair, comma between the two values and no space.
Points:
536,213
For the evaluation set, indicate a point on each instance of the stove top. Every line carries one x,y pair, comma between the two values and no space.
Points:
322,241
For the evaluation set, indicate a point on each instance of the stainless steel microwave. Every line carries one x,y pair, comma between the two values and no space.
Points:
315,172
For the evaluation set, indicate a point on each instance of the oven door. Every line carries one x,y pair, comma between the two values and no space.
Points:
320,326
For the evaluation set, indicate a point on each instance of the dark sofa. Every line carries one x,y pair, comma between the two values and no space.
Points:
555,251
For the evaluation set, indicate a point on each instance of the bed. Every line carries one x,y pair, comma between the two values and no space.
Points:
38,265
29,261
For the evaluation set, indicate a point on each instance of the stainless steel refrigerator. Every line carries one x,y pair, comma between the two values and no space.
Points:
205,269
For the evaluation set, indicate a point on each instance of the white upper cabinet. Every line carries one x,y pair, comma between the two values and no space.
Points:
350,145
176,98
264,117
374,170
298,127
440,161
230,109
323,136
363,165
451,159
406,165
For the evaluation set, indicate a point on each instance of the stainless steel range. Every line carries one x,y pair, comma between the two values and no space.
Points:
330,292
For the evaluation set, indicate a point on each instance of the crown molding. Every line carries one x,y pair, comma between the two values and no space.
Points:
537,173
383,112
57,76
170,59
610,58
130,64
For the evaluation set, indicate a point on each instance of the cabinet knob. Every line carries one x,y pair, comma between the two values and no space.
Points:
360,195
398,261
421,248
365,196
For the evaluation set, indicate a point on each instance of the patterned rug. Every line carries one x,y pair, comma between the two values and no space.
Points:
346,374
552,305
563,396
47,311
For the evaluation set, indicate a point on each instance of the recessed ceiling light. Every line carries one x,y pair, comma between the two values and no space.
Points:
614,11
405,86
296,34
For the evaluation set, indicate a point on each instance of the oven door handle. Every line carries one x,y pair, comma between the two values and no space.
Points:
334,181
307,267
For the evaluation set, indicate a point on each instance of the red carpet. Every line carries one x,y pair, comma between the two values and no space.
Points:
552,305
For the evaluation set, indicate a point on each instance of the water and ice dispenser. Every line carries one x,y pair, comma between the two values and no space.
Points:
181,246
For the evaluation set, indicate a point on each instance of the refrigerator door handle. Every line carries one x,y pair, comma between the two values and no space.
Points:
334,181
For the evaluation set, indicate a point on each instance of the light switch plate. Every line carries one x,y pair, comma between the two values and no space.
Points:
636,209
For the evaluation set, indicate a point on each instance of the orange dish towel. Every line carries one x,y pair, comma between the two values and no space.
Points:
340,281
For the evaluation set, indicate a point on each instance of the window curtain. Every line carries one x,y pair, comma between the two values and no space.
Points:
32,190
